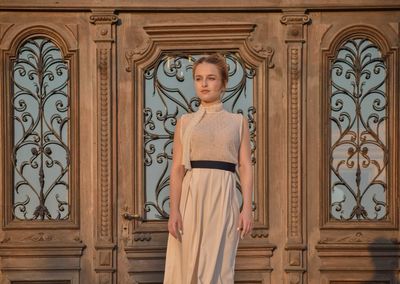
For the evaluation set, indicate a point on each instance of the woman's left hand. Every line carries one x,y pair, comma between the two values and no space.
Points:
245,222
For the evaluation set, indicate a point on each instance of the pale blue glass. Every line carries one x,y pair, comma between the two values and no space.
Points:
359,148
169,93
40,155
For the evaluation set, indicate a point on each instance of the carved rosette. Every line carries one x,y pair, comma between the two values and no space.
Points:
105,20
296,23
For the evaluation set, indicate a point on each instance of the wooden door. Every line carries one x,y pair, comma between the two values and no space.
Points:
156,88
128,80
352,148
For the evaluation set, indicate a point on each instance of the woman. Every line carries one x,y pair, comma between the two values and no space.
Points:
205,223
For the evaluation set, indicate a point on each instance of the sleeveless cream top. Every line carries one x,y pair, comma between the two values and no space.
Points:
211,133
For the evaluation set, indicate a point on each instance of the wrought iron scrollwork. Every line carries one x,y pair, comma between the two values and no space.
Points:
40,155
359,151
168,94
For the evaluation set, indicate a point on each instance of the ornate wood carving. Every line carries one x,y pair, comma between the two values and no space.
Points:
105,20
296,24
195,38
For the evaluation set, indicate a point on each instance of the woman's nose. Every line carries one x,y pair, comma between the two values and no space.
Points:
204,83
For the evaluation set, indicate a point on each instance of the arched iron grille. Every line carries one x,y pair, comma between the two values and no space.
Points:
358,121
41,154
168,94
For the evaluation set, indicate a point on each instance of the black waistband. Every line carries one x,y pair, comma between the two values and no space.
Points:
214,165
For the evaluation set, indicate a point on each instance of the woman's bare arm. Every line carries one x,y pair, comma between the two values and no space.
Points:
176,177
246,181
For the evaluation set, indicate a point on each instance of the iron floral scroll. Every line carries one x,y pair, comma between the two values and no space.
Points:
41,154
359,151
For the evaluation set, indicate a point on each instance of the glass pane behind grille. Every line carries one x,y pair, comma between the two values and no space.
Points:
169,93
41,118
358,121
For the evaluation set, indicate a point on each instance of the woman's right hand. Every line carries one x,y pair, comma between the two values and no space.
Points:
175,227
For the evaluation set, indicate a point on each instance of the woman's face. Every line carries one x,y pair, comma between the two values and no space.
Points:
208,83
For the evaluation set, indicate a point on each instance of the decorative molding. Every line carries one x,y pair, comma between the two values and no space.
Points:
4,27
261,49
137,52
5,240
395,27
61,34
40,237
357,237
294,144
73,28
103,16
142,237
203,6
105,146
295,21
259,233
296,17
105,255
105,22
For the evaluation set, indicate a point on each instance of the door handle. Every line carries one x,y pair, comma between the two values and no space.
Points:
130,217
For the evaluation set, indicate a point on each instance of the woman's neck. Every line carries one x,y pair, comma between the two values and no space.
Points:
212,107
210,104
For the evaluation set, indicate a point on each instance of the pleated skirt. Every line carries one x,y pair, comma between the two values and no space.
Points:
210,213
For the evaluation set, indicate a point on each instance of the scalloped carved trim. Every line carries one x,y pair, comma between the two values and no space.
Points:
259,233
294,143
105,146
142,237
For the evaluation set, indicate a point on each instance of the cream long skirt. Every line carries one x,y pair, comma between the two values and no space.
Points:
210,212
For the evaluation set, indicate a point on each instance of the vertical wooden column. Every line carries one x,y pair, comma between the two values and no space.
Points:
295,40
105,235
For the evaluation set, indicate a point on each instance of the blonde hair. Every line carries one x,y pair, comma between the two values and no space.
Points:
219,61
